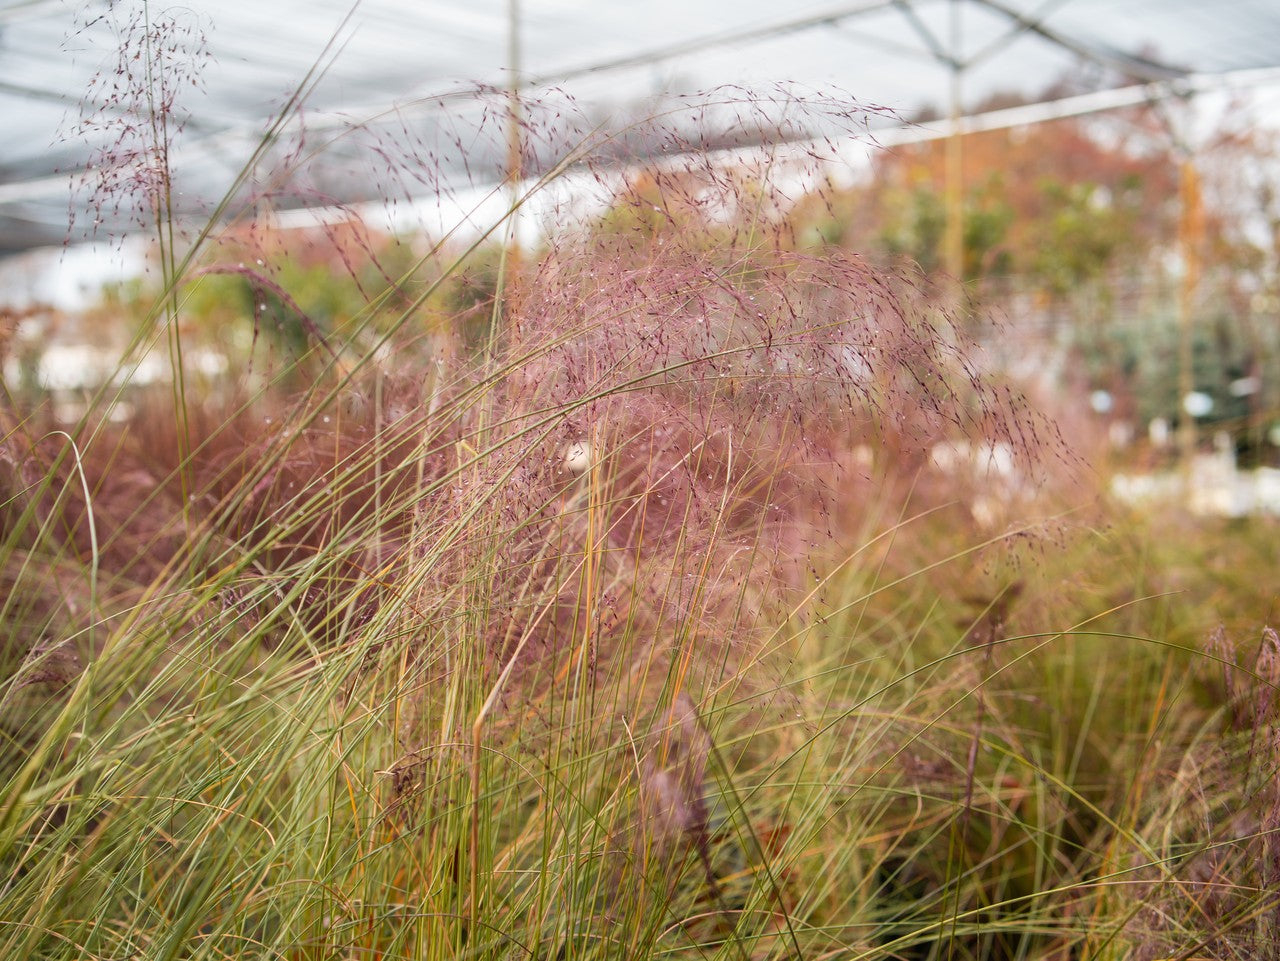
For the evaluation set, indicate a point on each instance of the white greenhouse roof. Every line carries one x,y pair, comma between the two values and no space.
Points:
397,79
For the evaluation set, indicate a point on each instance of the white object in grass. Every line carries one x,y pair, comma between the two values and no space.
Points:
578,457
1198,404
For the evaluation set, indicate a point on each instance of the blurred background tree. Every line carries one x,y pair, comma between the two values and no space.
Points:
1071,233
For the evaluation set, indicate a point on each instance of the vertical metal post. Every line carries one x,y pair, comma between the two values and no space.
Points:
511,274
1190,232
953,236
513,93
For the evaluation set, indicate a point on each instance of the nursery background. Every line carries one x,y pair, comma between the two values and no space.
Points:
518,479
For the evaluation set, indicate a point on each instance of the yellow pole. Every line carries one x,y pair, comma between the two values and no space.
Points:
1190,233
953,237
